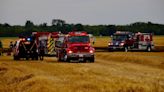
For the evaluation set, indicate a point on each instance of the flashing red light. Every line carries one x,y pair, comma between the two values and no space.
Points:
22,39
86,48
91,51
70,52
118,32
77,33
139,33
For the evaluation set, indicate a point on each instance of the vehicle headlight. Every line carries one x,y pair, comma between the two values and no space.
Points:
91,51
121,44
110,43
69,51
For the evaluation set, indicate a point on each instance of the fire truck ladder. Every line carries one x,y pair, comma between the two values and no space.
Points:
51,46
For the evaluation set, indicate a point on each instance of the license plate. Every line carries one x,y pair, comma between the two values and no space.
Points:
27,43
80,55
114,47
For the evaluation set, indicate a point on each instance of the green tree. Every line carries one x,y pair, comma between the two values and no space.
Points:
28,28
79,27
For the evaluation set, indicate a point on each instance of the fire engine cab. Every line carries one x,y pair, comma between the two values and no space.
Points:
75,46
131,41
25,47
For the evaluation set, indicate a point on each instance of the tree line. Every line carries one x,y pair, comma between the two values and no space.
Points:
6,30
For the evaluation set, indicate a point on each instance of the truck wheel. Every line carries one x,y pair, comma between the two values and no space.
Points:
59,58
27,58
16,58
92,60
149,49
36,58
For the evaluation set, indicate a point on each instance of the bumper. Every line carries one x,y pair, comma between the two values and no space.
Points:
27,54
114,47
83,56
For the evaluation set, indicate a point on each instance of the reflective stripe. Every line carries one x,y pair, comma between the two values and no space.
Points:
50,46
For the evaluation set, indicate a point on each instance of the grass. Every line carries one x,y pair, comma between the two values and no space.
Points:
6,41
102,76
159,40
112,72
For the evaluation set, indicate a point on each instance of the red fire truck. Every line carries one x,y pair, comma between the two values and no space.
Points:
131,41
75,46
47,39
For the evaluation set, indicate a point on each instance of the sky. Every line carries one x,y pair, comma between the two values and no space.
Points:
92,12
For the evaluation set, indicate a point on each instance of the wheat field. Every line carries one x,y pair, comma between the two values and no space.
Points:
112,72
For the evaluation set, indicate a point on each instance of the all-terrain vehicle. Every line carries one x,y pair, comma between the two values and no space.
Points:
26,48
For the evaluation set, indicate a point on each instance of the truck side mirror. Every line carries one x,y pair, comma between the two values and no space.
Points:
58,44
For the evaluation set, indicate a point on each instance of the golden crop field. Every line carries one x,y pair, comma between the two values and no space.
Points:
112,72
6,41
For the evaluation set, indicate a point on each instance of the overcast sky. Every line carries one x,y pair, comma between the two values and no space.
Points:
16,12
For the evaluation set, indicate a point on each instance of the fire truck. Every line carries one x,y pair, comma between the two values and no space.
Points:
75,46
47,39
131,41
25,47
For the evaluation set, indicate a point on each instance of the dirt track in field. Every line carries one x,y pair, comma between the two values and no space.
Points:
112,71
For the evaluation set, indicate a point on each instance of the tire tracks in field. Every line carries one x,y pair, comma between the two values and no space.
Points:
134,58
132,71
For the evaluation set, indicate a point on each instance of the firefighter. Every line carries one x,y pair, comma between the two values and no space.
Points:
41,51
93,40
21,50
11,45
15,43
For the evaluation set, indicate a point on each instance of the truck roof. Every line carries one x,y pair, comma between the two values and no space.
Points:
143,33
123,33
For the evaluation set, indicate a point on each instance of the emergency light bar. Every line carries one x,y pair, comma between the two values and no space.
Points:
28,39
77,33
122,32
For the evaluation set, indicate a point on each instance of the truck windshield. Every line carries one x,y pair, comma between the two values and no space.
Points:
83,39
119,37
